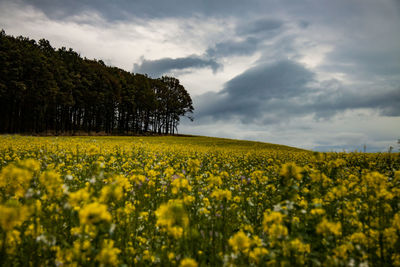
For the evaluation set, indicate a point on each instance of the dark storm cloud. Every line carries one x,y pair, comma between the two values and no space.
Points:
250,94
156,68
271,93
281,79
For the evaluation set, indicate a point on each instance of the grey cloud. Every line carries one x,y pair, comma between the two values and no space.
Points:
260,27
255,32
363,61
125,9
265,81
229,48
156,68
250,94
333,97
281,49
277,92
367,45
304,24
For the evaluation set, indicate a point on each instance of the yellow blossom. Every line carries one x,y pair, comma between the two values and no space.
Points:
78,198
188,262
193,165
240,242
291,170
317,211
273,224
94,213
180,183
53,183
173,217
111,192
15,180
108,255
325,227
12,215
221,194
257,254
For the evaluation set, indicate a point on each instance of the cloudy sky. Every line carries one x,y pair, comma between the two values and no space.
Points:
321,75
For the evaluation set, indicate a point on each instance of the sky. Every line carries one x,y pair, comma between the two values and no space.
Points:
315,74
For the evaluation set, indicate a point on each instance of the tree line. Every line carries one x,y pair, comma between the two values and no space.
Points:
43,89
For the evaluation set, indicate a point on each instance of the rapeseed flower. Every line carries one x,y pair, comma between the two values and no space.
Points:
108,255
172,216
257,254
240,242
326,227
291,170
94,213
12,214
79,198
15,180
180,183
188,262
221,194
53,183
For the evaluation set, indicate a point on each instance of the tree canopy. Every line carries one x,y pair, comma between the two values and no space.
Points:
43,89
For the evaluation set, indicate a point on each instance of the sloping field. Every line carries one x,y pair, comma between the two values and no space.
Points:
194,201
126,141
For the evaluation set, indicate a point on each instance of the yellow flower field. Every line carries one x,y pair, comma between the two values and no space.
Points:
194,201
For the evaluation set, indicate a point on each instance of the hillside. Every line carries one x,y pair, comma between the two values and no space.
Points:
183,141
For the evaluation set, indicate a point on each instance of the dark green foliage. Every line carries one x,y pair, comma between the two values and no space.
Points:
44,90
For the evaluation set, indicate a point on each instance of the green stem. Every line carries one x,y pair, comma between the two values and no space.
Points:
3,253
